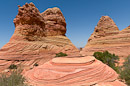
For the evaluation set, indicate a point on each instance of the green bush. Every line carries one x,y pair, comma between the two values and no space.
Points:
61,54
125,72
108,58
15,79
36,64
13,66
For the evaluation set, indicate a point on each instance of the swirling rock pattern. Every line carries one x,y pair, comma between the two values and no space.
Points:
33,41
75,71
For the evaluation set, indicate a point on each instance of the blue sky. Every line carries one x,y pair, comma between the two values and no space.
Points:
81,16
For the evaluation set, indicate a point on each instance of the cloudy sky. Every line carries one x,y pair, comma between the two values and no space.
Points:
81,16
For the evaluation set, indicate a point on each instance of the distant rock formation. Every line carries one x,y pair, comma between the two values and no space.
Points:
126,30
37,37
73,71
107,36
105,27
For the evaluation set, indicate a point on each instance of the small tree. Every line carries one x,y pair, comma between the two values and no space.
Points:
13,66
108,58
61,54
125,72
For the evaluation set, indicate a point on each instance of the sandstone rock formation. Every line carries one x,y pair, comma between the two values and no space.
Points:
54,22
105,27
73,71
106,36
29,24
126,30
37,37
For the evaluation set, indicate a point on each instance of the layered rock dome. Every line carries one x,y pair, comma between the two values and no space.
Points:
37,37
107,36
73,71
105,27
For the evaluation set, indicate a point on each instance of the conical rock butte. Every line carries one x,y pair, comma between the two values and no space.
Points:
107,37
105,27
37,37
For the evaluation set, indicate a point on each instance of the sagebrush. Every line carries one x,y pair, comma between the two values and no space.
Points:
14,79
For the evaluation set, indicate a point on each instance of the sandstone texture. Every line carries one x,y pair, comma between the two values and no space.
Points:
105,27
37,37
54,22
73,71
107,36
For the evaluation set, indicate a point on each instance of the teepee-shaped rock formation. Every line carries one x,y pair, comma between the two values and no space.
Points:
105,27
73,71
126,30
106,36
37,36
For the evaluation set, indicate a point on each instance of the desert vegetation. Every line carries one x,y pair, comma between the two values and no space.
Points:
109,59
61,54
125,71
13,79
36,64
13,66
112,61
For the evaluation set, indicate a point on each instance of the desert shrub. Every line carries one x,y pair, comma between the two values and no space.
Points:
13,66
36,64
15,79
108,58
61,54
125,72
